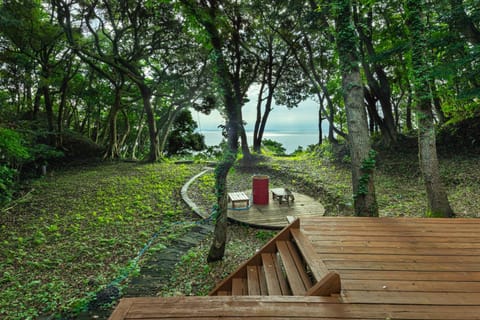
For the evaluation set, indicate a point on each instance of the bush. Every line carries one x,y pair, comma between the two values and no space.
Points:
7,183
12,148
274,147
13,153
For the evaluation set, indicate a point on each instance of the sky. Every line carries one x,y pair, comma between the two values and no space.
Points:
302,118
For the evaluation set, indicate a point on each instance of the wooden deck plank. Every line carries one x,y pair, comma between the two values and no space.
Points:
412,298
281,308
404,258
409,275
411,285
403,266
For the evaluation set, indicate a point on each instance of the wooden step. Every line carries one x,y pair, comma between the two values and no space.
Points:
256,282
286,265
274,277
294,268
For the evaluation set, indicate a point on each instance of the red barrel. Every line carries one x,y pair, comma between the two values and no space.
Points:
260,189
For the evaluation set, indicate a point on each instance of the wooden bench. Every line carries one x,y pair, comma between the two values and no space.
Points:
238,197
282,194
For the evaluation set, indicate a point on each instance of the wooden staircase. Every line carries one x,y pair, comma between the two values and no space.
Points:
286,266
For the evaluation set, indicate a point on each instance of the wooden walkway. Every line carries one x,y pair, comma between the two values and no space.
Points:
274,215
389,268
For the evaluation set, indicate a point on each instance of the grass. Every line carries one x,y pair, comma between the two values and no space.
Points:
82,228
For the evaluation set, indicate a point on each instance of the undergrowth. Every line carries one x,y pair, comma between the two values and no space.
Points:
80,230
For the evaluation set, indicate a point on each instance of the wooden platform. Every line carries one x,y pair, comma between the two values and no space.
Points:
390,268
274,215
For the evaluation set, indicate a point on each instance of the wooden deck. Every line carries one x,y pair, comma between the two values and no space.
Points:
390,268
274,215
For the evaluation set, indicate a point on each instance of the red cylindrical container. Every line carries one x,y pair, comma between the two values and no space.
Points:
260,189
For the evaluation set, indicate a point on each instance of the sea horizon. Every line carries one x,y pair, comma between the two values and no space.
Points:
290,139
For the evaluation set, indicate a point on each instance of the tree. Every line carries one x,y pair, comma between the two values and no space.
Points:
35,37
127,37
182,137
437,201
362,156
378,82
308,34
208,14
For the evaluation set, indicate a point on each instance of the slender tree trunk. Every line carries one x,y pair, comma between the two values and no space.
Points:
362,157
36,103
113,151
49,110
257,141
138,137
61,110
437,204
233,125
247,156
122,140
320,119
146,92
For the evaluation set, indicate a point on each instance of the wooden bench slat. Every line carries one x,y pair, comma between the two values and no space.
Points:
275,281
318,268
239,287
253,281
263,281
293,274
300,264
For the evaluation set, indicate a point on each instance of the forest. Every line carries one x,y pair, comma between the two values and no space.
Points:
96,82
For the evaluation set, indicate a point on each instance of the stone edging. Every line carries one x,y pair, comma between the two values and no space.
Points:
186,198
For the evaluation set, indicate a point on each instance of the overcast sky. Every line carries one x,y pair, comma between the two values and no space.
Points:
302,118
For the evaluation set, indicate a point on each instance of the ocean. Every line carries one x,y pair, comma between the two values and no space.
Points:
289,139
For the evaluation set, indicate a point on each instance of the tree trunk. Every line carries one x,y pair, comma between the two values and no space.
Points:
320,119
206,14
437,204
362,157
257,141
36,103
49,110
113,150
138,137
61,110
146,92
380,89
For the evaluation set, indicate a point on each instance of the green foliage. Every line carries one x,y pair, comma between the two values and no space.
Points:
80,230
264,235
12,147
183,139
7,183
13,153
273,147
367,168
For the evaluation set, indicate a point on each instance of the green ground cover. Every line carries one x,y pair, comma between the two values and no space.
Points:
80,229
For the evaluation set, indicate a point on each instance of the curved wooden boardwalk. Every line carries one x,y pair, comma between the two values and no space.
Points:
274,215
